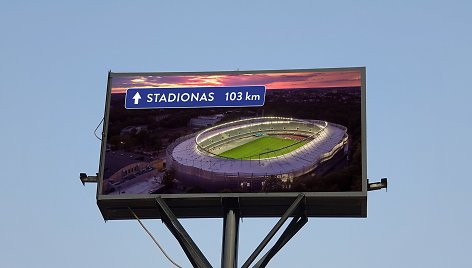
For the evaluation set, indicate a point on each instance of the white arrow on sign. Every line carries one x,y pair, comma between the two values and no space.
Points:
136,98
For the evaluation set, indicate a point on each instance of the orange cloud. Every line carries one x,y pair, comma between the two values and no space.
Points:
287,80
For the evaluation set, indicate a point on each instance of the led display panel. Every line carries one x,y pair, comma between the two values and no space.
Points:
260,136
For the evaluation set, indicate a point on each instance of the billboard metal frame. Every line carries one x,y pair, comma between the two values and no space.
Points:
209,205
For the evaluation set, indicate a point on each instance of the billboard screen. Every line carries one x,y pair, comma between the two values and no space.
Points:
261,136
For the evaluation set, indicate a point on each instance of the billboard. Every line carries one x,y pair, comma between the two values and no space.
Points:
260,136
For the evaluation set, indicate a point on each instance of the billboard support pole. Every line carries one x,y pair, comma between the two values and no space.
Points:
192,251
297,210
229,253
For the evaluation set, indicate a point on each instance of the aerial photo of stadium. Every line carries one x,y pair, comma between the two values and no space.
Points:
245,153
306,137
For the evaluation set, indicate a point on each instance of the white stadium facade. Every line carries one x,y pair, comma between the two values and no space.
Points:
195,158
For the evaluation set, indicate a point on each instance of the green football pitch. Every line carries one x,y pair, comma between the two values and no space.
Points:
259,148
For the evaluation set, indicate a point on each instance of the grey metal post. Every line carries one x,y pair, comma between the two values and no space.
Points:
229,258
229,254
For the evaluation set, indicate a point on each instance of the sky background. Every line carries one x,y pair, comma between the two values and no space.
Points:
54,59
285,80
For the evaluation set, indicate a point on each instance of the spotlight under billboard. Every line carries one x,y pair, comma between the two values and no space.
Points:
260,136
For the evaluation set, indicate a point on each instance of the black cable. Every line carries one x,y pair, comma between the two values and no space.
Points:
95,131
154,239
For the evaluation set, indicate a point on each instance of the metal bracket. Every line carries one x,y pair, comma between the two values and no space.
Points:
192,251
89,179
299,220
377,185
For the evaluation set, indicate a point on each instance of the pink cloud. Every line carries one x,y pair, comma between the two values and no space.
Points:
274,80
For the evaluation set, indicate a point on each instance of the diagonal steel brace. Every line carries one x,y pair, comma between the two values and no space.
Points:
192,251
298,209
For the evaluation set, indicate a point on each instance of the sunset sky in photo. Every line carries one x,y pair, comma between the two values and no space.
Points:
286,80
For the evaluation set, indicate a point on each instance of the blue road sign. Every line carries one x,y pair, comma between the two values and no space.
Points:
195,97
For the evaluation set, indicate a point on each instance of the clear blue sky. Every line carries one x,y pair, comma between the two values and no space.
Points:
54,59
